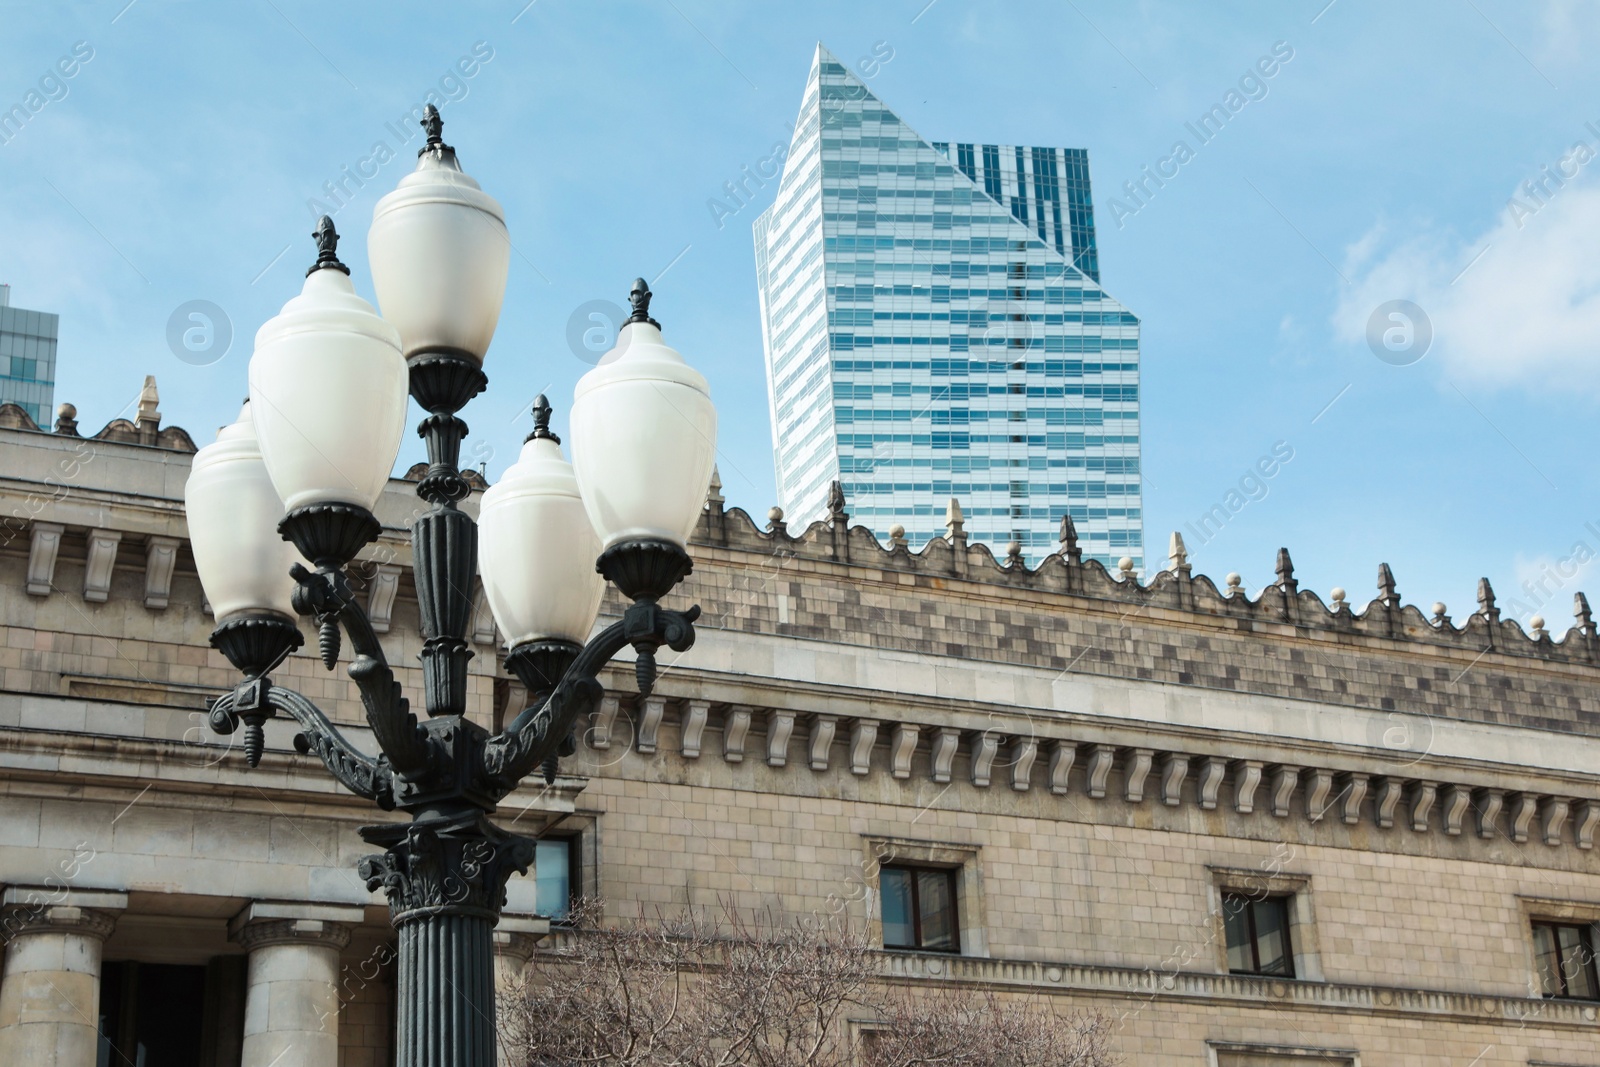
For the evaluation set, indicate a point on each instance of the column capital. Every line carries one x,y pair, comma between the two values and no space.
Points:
40,909
271,922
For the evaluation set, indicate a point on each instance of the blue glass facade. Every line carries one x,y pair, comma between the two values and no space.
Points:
28,359
934,327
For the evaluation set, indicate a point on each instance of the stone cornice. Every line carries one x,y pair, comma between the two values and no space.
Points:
1236,777
1152,986
114,769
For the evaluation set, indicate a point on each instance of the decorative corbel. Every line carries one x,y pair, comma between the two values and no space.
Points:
653,709
902,746
695,716
945,745
985,745
1024,750
735,728
1062,756
780,727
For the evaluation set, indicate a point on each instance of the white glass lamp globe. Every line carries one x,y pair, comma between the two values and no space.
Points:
233,513
439,254
328,389
536,548
644,437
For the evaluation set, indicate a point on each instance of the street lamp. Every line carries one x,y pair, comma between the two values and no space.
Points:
328,386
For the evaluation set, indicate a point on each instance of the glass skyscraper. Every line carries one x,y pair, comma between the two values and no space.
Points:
934,327
28,359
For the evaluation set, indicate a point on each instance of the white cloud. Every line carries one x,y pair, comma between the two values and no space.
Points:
1527,314
1567,31
1546,584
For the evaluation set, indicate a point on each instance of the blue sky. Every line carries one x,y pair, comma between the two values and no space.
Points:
1386,160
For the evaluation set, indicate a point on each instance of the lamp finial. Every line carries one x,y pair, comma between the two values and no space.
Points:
433,125
327,245
639,297
541,421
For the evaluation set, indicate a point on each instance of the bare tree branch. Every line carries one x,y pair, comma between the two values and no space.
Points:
762,991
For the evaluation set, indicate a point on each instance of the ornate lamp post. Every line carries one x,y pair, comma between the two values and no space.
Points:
306,463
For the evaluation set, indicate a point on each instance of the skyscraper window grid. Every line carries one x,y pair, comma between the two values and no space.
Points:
934,328
28,358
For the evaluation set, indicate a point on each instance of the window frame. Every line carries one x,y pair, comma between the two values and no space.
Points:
962,859
915,870
574,843
1269,879
1285,904
1555,911
1585,931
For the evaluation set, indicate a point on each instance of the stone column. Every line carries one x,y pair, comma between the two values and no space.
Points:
50,991
514,940
291,1008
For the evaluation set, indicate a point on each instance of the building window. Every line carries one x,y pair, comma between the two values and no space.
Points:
1258,934
919,909
556,865
1564,956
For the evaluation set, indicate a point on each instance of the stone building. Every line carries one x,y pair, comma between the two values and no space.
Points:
1253,831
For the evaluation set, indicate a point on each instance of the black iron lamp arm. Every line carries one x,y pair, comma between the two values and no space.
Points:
327,597
354,769
535,734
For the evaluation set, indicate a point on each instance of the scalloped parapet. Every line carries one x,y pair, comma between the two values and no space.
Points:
1174,590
